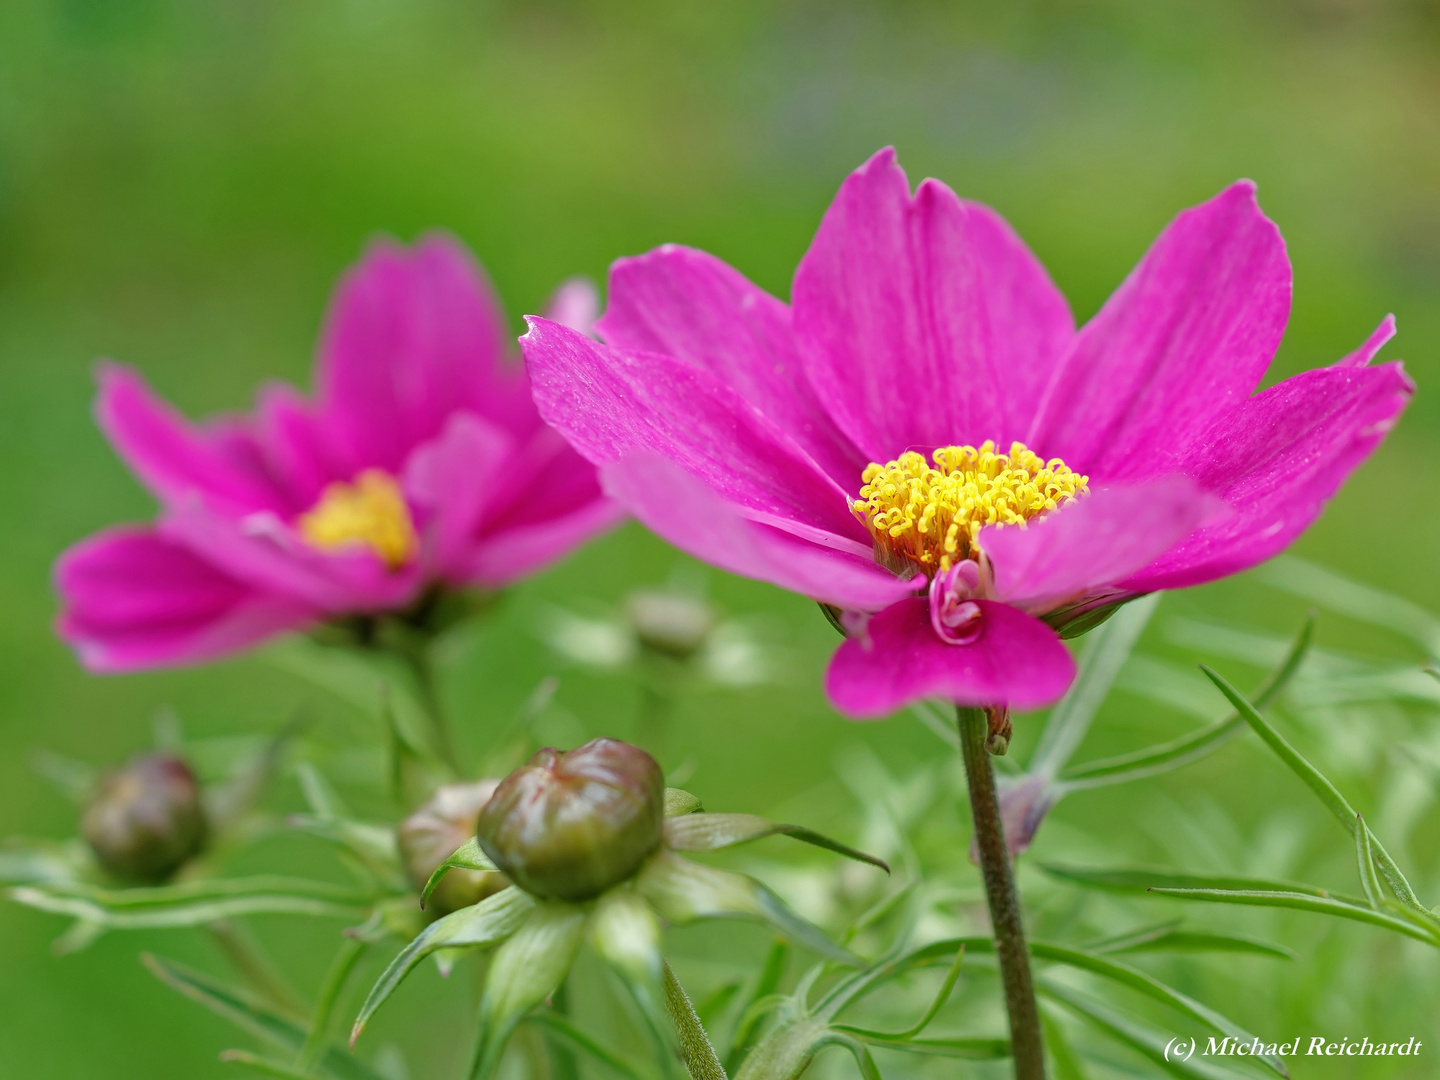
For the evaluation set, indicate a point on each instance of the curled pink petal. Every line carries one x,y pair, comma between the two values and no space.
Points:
1016,660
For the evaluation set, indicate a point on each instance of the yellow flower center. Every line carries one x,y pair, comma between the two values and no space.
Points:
369,512
929,517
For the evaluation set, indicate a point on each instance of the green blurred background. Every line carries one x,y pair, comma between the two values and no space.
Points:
181,183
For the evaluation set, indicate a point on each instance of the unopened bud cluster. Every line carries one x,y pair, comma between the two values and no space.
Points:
437,828
568,826
146,820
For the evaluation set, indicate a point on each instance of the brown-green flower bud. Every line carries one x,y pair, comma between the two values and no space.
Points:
567,826
669,622
146,819
429,836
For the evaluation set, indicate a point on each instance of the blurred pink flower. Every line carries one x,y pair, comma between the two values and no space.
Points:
841,447
421,463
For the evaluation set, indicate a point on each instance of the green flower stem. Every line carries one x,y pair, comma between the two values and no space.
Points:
562,1059
351,949
255,967
1003,898
699,1056
416,656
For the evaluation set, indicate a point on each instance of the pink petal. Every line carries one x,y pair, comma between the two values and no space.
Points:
456,477
1275,460
132,600
1362,356
296,445
576,304
412,336
1093,542
504,555
687,304
262,552
1185,339
925,321
176,459
675,505
610,403
1017,661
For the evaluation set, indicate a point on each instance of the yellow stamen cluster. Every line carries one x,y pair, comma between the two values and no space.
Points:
929,517
370,512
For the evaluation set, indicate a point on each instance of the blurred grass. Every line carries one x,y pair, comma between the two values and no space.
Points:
181,183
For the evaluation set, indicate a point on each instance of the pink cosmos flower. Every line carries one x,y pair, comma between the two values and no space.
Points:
421,465
870,445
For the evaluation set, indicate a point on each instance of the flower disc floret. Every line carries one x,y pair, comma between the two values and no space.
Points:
928,517
368,513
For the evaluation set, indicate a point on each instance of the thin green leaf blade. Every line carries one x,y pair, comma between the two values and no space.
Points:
1357,911
1100,662
1190,748
252,1016
1316,781
1144,983
1132,1034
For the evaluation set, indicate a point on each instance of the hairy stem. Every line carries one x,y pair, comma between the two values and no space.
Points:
699,1056
1003,898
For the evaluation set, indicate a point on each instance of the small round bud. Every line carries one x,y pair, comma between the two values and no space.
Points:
146,819
431,834
668,622
1001,730
567,826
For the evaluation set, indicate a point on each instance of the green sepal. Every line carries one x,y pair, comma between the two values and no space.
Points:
678,802
487,923
528,968
710,832
468,856
683,891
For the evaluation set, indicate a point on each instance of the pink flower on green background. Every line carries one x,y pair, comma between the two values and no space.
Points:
421,464
923,441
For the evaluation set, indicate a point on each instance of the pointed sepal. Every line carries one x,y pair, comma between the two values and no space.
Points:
683,891
468,856
488,923
527,969
710,832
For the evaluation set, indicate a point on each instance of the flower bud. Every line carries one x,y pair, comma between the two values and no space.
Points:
146,819
669,622
567,826
431,834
